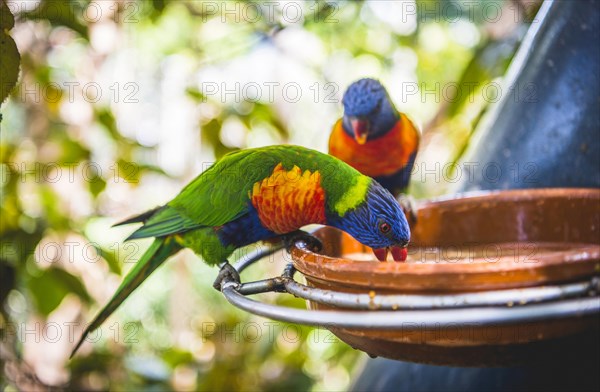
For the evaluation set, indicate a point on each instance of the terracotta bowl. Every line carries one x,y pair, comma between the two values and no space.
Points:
487,241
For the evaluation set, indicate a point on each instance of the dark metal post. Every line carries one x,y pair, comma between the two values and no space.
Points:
544,132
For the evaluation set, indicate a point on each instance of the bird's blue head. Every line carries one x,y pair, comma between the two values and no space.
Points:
368,111
378,222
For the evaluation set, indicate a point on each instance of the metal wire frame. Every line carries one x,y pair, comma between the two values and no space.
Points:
367,311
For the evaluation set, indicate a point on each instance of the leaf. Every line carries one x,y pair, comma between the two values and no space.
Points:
7,20
71,151
51,286
175,357
111,259
128,171
489,61
59,13
106,118
18,246
10,58
7,279
54,215
97,185
195,94
210,135
159,5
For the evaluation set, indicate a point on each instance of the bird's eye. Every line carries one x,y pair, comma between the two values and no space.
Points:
384,227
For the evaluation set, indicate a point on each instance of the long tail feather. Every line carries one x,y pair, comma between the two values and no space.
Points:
139,218
160,250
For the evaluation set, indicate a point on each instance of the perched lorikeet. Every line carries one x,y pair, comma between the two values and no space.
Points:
258,194
375,138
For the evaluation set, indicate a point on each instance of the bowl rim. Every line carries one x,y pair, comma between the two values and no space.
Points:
328,268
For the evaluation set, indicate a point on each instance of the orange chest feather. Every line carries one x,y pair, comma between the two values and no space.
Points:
380,157
288,200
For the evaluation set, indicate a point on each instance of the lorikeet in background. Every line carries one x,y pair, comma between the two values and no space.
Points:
258,194
375,138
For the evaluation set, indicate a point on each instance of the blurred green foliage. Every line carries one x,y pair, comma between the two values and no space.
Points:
71,165
9,55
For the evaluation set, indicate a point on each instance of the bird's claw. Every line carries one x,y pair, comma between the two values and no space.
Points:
408,205
312,242
226,274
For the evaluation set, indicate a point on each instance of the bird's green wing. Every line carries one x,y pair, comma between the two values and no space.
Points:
217,196
221,194
163,222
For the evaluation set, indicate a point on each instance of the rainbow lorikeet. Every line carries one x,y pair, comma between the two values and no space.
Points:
259,194
375,138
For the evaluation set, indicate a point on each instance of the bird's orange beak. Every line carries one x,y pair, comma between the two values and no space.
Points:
360,128
398,253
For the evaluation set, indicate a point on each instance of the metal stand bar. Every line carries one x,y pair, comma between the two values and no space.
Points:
499,307
409,301
393,320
